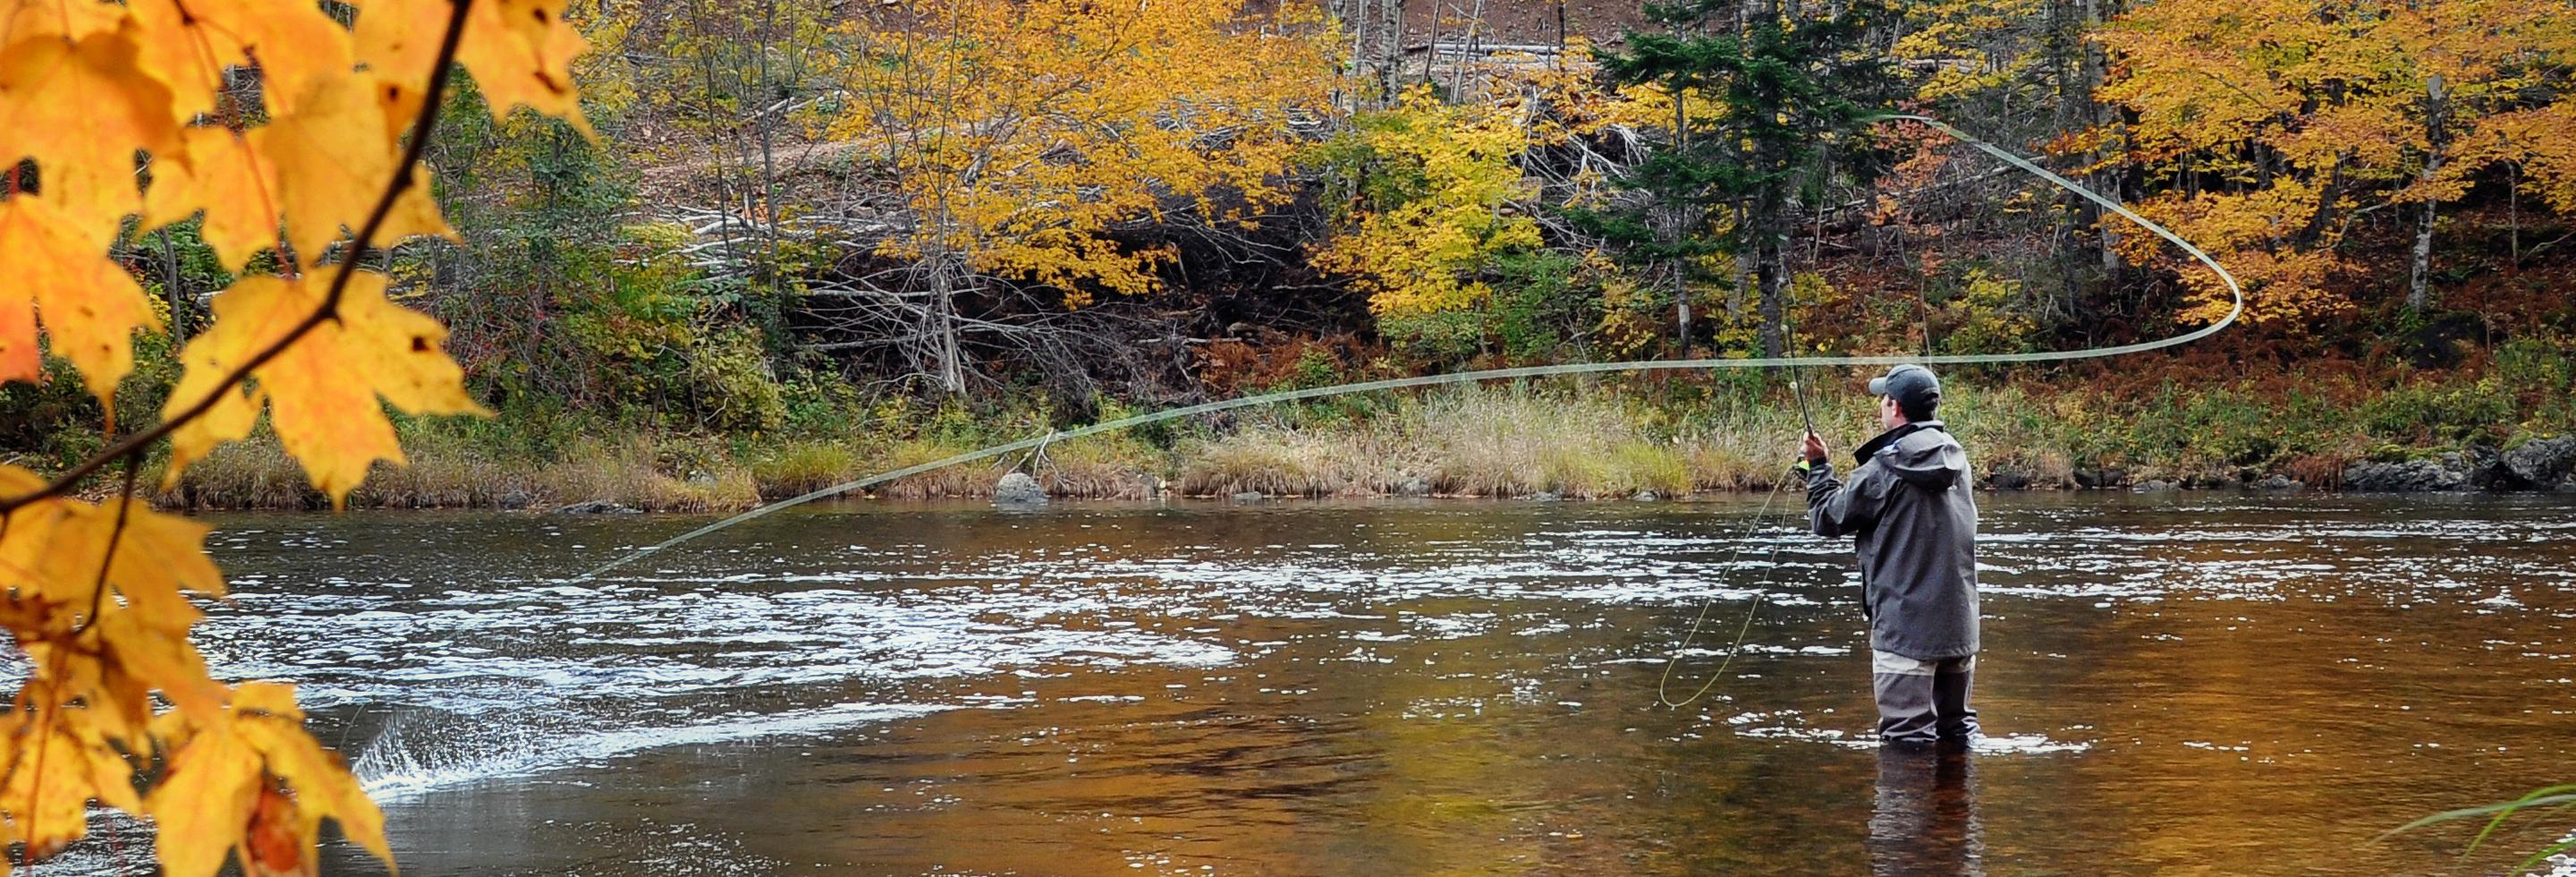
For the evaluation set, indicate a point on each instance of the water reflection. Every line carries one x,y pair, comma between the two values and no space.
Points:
2228,685
1925,819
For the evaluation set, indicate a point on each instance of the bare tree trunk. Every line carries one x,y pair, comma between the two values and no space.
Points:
1391,41
175,286
947,363
1560,34
1770,268
1743,272
1432,56
725,180
1358,19
768,101
1458,68
2419,292
2095,69
1680,227
1682,306
2513,212
1770,265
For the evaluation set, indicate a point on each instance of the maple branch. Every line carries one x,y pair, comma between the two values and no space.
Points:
107,561
134,445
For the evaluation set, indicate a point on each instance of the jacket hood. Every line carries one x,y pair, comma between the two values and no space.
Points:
1923,454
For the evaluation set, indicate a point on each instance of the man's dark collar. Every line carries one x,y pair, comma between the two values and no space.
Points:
1870,448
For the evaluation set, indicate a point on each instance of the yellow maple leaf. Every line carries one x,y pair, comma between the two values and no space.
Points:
520,52
22,19
323,390
334,158
46,797
93,702
234,184
415,213
81,109
185,53
16,480
111,776
271,698
157,557
58,549
87,302
204,801
162,659
21,358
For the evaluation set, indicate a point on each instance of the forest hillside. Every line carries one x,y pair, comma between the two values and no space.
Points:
800,242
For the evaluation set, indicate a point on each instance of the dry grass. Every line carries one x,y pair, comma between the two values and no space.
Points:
1107,467
251,474
1568,439
1273,461
1498,442
803,467
630,473
955,481
258,474
1508,442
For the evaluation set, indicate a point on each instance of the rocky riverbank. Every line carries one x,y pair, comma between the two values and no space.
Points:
2545,464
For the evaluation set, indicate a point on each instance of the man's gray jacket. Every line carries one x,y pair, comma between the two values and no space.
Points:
1909,507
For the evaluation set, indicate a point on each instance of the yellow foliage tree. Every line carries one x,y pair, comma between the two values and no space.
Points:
1963,47
94,594
1432,189
1020,130
2273,121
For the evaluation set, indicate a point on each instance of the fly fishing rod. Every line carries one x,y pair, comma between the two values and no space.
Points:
2236,309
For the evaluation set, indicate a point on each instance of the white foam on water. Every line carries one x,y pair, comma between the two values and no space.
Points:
394,766
1792,725
2028,744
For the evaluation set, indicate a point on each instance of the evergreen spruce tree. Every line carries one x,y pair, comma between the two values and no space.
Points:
1792,91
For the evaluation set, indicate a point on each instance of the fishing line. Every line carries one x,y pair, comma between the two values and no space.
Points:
1770,565
2236,292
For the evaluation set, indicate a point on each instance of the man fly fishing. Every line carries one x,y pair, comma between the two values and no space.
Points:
1909,511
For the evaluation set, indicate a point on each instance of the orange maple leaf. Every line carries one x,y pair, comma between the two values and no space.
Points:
323,390
81,109
235,185
520,52
88,303
334,158
188,43
204,801
319,778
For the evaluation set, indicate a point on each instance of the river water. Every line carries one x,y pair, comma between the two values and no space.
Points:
2172,683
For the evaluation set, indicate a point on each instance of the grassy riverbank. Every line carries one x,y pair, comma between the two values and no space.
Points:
1670,436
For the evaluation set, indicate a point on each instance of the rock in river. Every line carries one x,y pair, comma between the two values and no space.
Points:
1018,490
2412,476
2542,464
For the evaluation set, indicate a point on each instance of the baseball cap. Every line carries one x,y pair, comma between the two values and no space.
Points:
1913,387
